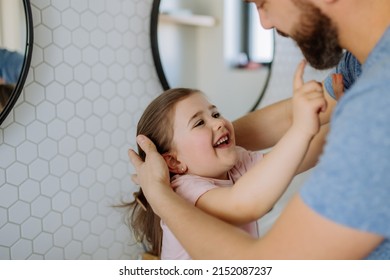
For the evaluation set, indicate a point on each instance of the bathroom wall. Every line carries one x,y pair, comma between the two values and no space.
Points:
63,148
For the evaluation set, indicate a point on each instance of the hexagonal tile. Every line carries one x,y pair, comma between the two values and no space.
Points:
72,55
74,91
36,132
91,244
55,253
26,152
62,236
10,234
65,110
102,140
34,93
81,230
47,149
90,55
29,190
44,74
79,197
55,92
7,155
53,55
14,134
79,6
46,112
71,216
38,169
63,74
69,181
80,38
58,165
75,127
99,73
73,250
61,201
19,212
31,228
42,243
51,17
42,36
8,195
52,222
89,211
70,19
3,217
24,113
77,162
98,38
61,5
82,73
84,108
87,177
56,129
21,250
40,207
50,186
62,37
67,146
17,173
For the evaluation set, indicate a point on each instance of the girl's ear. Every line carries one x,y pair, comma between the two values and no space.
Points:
174,165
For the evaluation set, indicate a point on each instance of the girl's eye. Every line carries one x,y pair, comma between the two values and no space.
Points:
199,123
216,115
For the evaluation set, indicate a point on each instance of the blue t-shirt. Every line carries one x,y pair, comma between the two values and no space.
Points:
351,183
351,69
11,63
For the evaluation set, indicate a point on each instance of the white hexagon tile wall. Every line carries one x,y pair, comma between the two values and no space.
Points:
63,148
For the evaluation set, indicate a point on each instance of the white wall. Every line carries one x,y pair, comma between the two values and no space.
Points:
63,148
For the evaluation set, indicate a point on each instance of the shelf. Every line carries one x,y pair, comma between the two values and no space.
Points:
188,19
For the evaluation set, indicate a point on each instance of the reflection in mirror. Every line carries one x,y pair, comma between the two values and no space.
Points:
16,38
216,46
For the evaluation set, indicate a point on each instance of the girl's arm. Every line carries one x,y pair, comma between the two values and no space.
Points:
255,193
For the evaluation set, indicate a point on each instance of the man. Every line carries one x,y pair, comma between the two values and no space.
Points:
342,211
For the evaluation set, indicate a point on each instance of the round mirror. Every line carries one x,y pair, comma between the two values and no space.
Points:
16,39
216,46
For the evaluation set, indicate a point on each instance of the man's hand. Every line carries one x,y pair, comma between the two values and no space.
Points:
152,174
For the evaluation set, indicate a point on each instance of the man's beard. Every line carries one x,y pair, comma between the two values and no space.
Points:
317,37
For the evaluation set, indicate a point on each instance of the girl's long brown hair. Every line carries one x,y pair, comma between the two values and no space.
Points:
156,124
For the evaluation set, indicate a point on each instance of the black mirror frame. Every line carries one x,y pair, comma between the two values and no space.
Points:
154,44
26,63
160,69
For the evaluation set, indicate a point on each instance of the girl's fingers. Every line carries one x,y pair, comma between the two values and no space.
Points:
338,85
298,76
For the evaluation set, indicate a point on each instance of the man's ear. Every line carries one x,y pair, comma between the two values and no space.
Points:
174,165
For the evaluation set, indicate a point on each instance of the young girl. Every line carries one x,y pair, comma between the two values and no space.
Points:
198,146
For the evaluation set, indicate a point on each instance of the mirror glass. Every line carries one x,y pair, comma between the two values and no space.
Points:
216,46
16,38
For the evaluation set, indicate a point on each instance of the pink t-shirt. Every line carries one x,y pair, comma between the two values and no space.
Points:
191,187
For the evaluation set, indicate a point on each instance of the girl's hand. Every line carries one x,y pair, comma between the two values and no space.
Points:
152,174
338,85
308,101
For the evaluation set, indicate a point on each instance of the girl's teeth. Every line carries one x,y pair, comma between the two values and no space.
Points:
222,140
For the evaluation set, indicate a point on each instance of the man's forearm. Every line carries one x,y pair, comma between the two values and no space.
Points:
263,128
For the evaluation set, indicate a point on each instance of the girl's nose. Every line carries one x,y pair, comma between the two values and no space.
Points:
218,124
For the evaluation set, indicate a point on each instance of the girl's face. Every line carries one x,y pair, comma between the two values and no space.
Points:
203,141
